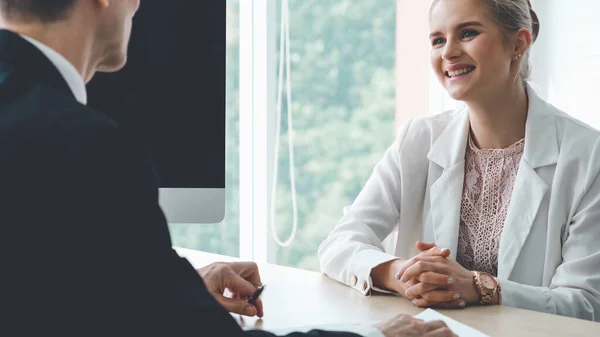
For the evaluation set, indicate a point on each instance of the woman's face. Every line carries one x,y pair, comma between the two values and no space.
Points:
469,53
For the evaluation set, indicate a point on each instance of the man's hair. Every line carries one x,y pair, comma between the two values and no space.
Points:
46,11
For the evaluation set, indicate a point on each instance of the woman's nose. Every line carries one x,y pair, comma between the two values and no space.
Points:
451,50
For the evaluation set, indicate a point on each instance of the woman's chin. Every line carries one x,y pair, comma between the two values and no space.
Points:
458,94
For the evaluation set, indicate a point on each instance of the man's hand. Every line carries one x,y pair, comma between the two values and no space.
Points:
406,326
240,278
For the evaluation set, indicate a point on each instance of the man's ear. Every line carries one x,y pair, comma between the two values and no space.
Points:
103,3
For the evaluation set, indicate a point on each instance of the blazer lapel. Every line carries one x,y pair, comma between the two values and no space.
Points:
448,152
528,191
541,149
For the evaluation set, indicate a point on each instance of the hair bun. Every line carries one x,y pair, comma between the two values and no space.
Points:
535,20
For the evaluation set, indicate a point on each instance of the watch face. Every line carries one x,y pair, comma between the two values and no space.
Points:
487,281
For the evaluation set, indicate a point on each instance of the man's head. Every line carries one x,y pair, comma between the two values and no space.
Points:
36,10
92,34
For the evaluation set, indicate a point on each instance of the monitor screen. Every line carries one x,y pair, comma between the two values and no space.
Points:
171,93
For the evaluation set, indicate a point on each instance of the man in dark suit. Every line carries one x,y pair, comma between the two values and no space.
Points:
86,248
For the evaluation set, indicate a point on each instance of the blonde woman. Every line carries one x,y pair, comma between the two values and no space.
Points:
505,191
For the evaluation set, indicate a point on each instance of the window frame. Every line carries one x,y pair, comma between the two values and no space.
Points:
258,79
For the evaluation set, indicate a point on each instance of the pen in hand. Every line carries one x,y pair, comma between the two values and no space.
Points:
253,298
256,294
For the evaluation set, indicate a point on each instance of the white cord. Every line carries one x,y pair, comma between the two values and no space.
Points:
284,39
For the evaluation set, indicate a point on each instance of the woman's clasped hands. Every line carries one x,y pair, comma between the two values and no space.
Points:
432,279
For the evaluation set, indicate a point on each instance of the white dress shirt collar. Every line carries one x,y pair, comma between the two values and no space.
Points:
66,69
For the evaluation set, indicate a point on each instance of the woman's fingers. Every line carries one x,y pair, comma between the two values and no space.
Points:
430,248
435,278
424,266
432,252
441,295
453,304
456,304
407,286
423,246
419,289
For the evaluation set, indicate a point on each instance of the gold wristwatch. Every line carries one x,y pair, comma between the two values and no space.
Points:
487,286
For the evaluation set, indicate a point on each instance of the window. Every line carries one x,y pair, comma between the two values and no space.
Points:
342,60
222,238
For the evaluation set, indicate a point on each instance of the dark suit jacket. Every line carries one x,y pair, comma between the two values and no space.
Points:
85,246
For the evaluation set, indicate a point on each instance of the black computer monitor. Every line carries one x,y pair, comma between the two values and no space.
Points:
171,93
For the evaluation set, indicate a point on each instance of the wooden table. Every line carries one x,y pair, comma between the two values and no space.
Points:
300,298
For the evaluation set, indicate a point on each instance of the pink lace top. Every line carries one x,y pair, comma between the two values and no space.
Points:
489,180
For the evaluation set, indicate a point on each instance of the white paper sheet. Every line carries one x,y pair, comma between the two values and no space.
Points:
458,328
357,328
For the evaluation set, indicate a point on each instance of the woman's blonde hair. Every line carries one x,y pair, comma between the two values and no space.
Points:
512,15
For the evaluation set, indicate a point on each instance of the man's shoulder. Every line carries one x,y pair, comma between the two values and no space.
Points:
42,108
40,122
94,131
85,121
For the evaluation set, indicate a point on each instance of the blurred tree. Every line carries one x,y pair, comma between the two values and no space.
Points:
342,62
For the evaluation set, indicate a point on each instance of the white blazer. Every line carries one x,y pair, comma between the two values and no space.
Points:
549,256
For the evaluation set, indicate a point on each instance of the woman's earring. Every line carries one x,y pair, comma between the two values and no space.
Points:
518,56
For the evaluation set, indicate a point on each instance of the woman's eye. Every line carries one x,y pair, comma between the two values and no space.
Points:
469,33
437,41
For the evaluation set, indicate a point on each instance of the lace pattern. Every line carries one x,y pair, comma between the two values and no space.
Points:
488,185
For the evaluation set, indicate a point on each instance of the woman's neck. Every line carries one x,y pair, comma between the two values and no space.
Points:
499,122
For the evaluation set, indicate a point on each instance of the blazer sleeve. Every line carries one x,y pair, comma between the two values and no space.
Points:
354,247
135,272
133,279
575,287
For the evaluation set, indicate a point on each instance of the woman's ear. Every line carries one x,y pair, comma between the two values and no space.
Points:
523,41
